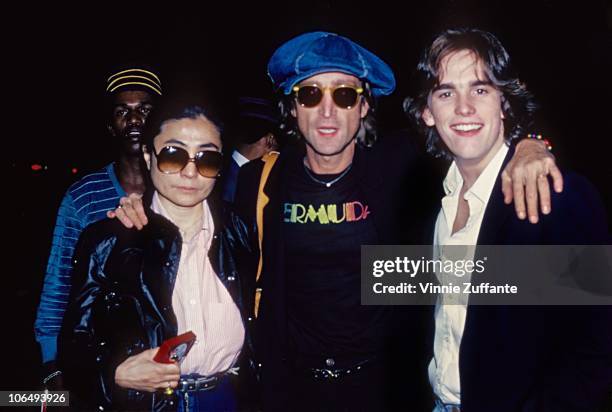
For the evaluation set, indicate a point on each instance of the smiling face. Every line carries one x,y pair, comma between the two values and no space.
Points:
186,188
466,110
327,128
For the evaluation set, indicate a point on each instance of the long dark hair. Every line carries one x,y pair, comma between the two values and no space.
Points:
518,104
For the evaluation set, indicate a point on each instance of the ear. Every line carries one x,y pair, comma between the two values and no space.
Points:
267,139
110,129
146,155
365,108
428,117
271,141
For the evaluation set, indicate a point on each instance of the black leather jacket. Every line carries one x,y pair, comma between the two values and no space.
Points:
121,304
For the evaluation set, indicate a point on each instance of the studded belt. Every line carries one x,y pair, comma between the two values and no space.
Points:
330,374
204,383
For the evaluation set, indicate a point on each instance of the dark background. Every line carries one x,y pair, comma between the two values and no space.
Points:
58,59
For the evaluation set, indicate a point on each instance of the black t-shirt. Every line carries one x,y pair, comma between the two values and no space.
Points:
324,228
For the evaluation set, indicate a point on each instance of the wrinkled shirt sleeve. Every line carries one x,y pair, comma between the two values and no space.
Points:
56,287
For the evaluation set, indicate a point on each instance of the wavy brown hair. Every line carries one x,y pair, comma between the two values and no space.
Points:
518,104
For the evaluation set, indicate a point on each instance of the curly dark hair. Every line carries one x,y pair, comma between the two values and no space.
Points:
366,136
518,104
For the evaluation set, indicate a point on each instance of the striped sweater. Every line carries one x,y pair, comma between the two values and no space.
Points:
85,202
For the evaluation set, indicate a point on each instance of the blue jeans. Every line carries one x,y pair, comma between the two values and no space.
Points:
442,407
220,399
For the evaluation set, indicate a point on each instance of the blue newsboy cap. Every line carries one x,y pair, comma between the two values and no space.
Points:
320,52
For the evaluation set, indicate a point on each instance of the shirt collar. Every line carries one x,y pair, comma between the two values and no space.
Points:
453,179
483,186
239,158
207,221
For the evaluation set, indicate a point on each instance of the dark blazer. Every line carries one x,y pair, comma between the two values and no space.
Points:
539,358
229,179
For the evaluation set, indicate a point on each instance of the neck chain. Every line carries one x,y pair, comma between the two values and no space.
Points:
331,182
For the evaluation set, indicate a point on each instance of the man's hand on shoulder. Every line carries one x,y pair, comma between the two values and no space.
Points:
525,179
130,212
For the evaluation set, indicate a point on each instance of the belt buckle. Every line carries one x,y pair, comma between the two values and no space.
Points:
192,385
325,373
331,373
186,384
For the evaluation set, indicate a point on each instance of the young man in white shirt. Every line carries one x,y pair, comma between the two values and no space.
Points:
497,357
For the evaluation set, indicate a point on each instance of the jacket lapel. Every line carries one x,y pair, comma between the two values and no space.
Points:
479,318
216,210
497,213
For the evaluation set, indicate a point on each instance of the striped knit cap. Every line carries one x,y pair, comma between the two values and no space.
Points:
134,79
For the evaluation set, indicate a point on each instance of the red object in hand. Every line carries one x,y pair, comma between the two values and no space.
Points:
175,349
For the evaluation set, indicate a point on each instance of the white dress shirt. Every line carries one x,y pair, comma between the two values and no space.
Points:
450,318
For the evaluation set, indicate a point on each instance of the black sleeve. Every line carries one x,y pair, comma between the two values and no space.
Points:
582,377
104,323
247,188
243,244
81,357
418,184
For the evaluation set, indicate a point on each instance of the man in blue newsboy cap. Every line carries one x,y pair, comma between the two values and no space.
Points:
337,188
320,349
321,52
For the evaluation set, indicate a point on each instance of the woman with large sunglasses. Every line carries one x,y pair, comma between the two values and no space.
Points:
135,289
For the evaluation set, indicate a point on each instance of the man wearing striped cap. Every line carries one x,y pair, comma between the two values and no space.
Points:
131,93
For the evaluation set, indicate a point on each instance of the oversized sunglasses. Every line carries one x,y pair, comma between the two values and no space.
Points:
343,96
172,159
